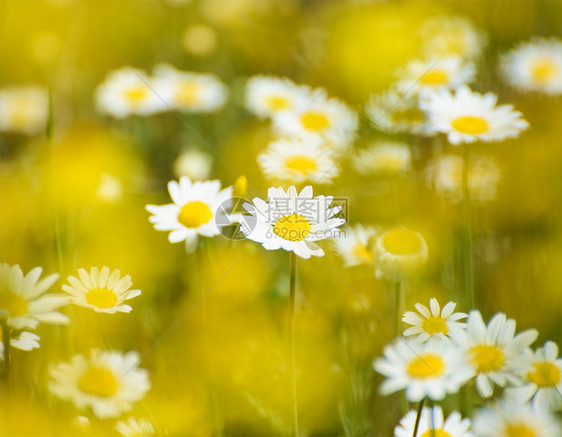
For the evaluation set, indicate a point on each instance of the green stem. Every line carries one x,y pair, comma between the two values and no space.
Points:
468,260
399,296
292,293
418,417
431,418
6,331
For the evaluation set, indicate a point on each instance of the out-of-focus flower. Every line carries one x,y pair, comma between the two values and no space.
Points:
108,382
128,92
394,112
292,221
135,428
318,116
188,91
398,254
268,95
535,66
467,116
23,298
432,323
194,212
433,369
452,36
26,341
109,189
385,158
193,163
508,418
543,380
103,290
432,421
298,161
24,109
422,77
495,353
199,40
355,247
240,186
483,177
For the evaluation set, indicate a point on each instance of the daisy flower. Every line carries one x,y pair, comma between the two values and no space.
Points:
395,112
452,36
427,76
399,253
195,211
298,161
108,382
355,245
128,92
383,158
510,419
318,116
135,428
25,342
467,116
292,221
103,290
535,66
433,321
189,92
24,109
23,298
433,369
543,380
494,352
268,95
432,421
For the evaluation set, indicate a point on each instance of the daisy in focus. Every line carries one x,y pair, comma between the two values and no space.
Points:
318,116
495,353
189,92
433,322
196,209
298,161
128,92
108,382
267,95
24,298
135,428
432,420
433,369
535,66
398,254
24,109
291,221
466,116
386,158
103,290
543,380
427,76
508,418
355,247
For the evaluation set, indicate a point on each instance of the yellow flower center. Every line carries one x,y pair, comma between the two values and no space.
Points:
277,103
435,78
544,374
469,124
135,96
14,304
519,430
101,298
194,214
543,71
292,227
426,366
360,252
301,163
486,358
435,325
436,433
314,121
188,93
98,381
401,242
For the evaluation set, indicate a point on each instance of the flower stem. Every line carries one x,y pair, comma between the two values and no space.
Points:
418,417
431,418
399,295
292,289
6,343
468,261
